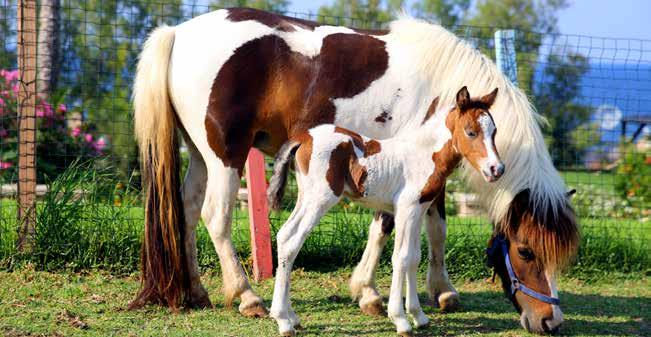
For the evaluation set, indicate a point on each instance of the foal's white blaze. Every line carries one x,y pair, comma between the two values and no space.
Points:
492,160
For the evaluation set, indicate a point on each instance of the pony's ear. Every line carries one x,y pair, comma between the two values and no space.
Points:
431,110
570,193
490,98
463,98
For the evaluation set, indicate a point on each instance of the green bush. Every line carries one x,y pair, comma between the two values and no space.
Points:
633,181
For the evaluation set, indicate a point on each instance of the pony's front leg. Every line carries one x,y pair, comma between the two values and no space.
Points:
362,282
439,287
407,217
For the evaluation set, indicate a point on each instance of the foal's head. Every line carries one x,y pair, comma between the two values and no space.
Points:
474,131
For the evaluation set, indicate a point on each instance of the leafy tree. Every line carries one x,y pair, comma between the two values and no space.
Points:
531,18
364,14
7,34
268,5
569,133
446,12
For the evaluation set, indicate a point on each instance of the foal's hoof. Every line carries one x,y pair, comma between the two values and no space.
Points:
449,301
256,309
374,308
289,333
406,334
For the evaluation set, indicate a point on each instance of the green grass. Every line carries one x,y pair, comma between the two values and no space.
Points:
93,304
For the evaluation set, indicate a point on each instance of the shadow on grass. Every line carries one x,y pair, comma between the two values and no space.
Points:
586,314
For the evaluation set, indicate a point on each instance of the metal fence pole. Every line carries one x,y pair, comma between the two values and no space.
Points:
26,10
505,54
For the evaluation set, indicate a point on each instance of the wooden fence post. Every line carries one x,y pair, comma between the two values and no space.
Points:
259,216
27,34
505,54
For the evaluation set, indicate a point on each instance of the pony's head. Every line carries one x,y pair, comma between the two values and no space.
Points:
474,131
526,250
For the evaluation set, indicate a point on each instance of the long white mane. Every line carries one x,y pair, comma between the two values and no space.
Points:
452,63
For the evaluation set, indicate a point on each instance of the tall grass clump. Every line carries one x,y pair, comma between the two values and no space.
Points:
78,227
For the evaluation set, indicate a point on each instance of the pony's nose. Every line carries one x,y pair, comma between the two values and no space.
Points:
550,326
497,170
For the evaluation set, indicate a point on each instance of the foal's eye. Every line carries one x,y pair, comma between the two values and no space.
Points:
471,134
525,254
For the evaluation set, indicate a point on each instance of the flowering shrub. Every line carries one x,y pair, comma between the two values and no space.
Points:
634,177
56,144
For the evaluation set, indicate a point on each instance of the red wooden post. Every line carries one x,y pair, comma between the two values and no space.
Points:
259,216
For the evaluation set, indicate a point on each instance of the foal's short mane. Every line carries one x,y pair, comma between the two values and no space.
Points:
453,63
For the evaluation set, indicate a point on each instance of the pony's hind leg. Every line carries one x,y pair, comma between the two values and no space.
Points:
439,287
290,239
362,282
223,183
194,192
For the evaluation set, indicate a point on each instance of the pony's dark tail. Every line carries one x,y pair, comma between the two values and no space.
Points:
278,180
165,278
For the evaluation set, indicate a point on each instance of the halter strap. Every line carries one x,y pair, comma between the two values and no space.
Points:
515,282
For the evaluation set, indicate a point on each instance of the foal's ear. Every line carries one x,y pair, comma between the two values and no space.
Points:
490,98
431,110
463,98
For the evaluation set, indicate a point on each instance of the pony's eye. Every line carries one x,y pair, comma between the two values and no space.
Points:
525,254
471,134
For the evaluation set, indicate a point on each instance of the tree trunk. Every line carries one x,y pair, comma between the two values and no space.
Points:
48,46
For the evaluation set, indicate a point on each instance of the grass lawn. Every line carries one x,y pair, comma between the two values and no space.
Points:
93,304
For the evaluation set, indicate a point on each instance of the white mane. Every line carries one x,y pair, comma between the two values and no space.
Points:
453,63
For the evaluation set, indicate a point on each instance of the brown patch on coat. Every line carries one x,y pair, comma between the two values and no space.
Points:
387,221
265,92
383,117
369,147
345,170
431,110
282,22
304,153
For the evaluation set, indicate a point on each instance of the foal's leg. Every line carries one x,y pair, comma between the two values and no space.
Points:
223,183
412,304
290,239
194,189
439,287
362,282
407,217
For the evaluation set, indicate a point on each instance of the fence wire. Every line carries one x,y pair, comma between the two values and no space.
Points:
595,93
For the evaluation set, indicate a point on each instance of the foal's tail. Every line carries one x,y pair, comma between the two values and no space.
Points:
278,180
164,278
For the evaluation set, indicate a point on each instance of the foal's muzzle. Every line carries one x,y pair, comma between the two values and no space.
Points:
492,172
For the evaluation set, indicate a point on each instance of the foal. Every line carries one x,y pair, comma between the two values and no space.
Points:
401,175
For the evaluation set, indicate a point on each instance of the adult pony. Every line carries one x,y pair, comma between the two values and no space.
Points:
237,78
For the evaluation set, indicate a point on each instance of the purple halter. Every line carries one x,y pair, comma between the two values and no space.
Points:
500,242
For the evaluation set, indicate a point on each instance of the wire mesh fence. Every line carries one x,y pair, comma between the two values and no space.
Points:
595,93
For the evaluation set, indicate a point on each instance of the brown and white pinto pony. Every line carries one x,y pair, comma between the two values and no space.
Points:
237,78
401,175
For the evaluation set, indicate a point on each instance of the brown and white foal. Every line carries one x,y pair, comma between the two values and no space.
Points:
400,175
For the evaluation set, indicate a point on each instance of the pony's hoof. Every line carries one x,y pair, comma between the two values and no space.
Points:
374,308
449,301
255,310
289,333
406,334
202,302
298,327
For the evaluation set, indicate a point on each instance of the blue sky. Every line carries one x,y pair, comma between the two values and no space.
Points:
604,18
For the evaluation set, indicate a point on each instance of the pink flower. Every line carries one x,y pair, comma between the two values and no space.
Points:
88,137
15,88
75,132
62,108
5,165
3,133
2,102
100,144
10,75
